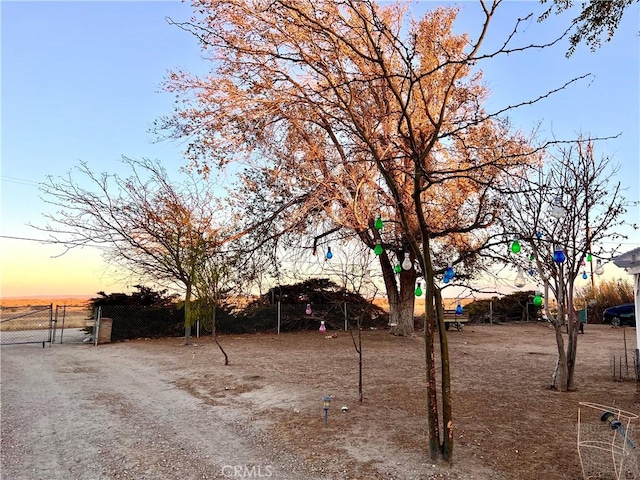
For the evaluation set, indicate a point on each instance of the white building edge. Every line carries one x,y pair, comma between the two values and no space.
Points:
630,262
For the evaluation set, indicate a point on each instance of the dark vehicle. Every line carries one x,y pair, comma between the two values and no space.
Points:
620,315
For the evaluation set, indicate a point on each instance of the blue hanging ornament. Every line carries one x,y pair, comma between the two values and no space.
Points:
459,309
558,255
584,275
329,254
449,272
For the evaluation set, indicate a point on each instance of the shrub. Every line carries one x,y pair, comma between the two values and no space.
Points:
607,293
515,307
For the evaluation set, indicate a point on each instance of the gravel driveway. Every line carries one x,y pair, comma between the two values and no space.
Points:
83,412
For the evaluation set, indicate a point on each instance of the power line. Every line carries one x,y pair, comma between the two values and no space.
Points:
28,239
55,242
20,181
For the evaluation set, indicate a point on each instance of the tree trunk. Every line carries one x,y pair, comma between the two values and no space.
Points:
405,306
187,315
561,380
401,304
214,334
360,365
435,448
572,342
447,421
558,324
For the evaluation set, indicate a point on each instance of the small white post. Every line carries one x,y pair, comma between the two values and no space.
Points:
346,327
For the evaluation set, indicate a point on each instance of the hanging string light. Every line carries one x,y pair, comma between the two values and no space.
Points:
520,281
406,263
584,275
397,268
378,248
329,254
378,223
537,299
449,273
557,210
589,257
418,291
538,234
599,268
558,255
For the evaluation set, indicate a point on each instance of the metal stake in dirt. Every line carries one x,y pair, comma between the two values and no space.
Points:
326,402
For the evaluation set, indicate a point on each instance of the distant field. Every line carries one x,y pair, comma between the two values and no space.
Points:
33,314
42,301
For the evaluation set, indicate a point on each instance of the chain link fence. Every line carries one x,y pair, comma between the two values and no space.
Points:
71,324
26,324
131,322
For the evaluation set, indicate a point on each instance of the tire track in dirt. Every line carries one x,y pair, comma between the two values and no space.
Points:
81,412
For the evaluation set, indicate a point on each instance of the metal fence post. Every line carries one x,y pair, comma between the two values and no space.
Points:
96,325
52,324
345,317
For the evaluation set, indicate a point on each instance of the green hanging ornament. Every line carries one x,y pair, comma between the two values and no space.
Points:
532,257
537,300
589,257
418,290
378,249
378,223
397,268
515,246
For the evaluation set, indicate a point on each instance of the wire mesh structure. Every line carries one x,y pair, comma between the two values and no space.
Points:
607,445
70,324
28,324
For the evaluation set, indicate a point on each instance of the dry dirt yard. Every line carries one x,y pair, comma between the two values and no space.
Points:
156,409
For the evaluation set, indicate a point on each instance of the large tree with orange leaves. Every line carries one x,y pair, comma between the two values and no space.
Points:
341,111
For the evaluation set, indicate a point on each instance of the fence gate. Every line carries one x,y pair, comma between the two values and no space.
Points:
23,325
70,324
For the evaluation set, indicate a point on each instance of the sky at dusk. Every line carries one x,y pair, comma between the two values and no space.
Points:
81,82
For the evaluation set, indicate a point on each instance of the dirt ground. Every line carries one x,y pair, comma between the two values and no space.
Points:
508,423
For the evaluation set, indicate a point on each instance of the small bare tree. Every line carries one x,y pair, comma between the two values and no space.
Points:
214,281
563,222
155,229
